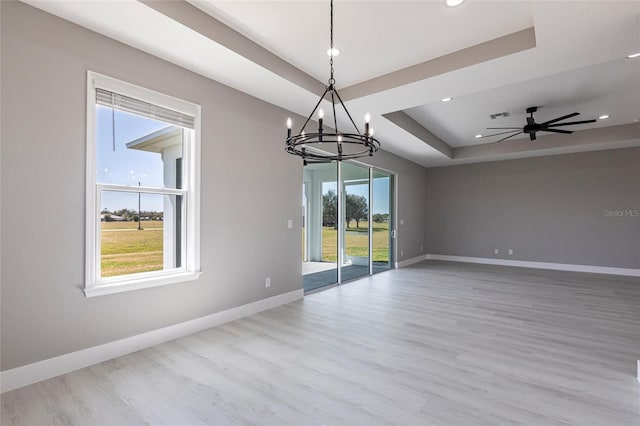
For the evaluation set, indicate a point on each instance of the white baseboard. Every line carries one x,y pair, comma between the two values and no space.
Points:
52,367
539,265
411,261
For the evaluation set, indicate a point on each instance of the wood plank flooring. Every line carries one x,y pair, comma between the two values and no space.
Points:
435,343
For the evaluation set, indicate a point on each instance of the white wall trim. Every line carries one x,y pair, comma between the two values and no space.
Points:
539,265
411,261
52,367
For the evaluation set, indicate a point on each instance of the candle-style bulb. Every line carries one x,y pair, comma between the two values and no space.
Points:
289,123
320,115
367,118
371,131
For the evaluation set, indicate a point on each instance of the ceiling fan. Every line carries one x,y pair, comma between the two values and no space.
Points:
531,128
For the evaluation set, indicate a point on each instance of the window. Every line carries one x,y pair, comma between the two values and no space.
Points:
143,173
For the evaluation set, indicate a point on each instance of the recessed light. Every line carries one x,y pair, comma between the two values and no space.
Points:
453,3
333,52
603,117
445,99
478,136
634,55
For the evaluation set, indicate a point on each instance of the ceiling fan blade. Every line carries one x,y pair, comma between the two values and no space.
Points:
501,133
572,123
532,136
504,128
566,132
560,118
510,136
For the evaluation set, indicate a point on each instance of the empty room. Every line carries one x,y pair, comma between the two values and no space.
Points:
319,212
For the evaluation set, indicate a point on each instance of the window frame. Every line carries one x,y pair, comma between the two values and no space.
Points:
190,244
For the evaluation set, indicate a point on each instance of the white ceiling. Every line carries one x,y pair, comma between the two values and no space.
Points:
577,63
374,37
593,91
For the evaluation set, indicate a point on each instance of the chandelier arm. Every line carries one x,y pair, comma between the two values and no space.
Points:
347,111
335,121
333,106
314,110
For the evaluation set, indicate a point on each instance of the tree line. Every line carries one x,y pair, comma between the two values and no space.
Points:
356,209
129,215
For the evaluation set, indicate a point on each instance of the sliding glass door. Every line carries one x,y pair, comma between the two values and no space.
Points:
320,226
381,220
355,220
347,223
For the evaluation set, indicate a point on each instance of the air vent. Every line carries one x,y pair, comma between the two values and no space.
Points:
500,114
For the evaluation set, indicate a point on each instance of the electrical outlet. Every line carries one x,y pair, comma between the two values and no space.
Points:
421,247
510,252
267,282
401,253
401,221
290,223
496,251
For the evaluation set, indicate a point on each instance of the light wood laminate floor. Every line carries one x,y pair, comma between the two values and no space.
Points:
434,343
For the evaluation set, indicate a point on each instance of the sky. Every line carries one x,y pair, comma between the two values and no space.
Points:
124,166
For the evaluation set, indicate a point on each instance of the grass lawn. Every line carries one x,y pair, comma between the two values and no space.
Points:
126,250
357,242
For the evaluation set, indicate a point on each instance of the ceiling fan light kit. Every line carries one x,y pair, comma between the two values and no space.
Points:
531,128
346,145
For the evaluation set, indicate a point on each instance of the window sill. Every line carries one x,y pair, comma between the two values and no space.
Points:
138,284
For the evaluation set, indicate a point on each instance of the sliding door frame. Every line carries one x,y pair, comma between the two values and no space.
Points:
370,221
393,233
340,214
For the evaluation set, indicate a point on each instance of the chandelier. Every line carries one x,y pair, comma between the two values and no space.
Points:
341,145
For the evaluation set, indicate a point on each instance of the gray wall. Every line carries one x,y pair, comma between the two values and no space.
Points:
547,209
412,203
250,187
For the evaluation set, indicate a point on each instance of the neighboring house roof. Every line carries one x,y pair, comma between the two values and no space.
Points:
112,216
158,141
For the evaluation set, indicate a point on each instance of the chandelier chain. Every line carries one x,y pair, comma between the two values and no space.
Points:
331,79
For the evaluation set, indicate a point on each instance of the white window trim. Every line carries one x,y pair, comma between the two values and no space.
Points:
96,286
